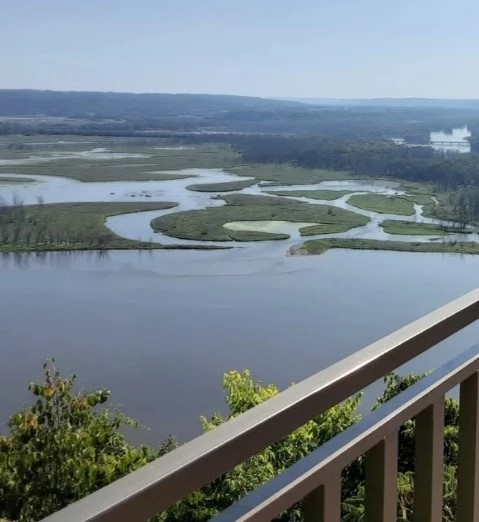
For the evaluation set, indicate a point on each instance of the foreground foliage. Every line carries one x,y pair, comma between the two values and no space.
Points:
66,445
60,449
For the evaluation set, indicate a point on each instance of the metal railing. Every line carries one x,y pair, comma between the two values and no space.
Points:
317,477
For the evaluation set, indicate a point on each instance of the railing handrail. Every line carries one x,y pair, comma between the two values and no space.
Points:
158,485
301,478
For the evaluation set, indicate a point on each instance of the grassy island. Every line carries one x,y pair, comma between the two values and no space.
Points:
319,246
326,195
286,174
208,224
382,204
68,226
227,186
410,228
16,179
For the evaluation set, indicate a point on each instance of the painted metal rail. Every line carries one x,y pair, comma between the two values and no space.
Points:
316,478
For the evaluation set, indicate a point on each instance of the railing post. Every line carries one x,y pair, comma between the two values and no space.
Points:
468,466
324,503
381,480
429,469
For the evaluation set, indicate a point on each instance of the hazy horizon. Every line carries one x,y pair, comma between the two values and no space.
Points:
286,98
345,49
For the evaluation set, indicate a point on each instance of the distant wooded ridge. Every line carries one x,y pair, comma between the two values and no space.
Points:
445,103
15,102
77,112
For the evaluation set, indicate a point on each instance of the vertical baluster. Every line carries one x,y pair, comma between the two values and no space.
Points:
468,467
428,473
324,503
381,480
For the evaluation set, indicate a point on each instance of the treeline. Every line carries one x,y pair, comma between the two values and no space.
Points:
62,448
333,122
362,157
461,205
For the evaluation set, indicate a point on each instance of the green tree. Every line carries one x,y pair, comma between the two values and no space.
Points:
62,448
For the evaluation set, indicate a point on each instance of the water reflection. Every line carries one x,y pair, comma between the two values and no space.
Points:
24,260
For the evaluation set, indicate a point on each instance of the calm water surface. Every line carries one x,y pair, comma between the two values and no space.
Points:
160,328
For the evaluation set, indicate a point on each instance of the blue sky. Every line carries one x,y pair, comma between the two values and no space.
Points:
294,48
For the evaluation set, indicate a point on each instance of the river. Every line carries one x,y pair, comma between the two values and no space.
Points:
160,328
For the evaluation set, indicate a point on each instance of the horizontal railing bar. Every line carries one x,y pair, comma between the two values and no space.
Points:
309,473
156,486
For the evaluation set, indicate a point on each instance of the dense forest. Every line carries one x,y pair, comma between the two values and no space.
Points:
363,157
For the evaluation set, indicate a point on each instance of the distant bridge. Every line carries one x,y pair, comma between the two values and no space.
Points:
462,143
